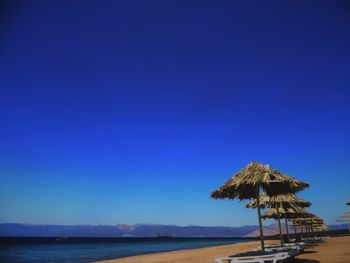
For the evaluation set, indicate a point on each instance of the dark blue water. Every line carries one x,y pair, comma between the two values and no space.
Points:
81,250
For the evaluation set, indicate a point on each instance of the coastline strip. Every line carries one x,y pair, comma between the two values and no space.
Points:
202,255
333,250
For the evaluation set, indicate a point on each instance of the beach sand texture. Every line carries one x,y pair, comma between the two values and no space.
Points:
333,250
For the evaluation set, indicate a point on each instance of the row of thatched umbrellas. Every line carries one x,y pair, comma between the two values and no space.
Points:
286,206
269,188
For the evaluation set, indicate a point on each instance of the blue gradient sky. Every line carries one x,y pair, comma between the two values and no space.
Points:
134,111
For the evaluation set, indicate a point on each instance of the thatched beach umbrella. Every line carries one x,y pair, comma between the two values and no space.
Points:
348,202
309,221
280,201
290,212
246,184
283,201
312,218
321,227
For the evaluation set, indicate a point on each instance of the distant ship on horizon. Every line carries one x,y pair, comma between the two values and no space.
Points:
62,238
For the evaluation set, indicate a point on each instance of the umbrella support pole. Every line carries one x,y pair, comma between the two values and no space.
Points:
286,222
279,224
260,225
295,227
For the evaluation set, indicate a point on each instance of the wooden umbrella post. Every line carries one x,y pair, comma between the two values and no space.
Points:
295,227
279,224
286,222
260,225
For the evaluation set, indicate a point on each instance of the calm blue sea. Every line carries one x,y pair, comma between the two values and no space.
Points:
79,250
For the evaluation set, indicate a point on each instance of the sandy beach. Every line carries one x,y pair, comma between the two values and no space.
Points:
333,250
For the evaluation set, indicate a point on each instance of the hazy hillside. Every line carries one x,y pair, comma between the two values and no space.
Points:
138,230
270,230
122,230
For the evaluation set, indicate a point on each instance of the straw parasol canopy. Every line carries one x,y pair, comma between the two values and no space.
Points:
310,218
310,221
348,202
246,184
284,201
280,201
321,227
302,221
291,212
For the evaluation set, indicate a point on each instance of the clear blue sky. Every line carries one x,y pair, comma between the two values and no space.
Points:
134,111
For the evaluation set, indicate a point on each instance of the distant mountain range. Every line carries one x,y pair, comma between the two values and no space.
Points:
141,230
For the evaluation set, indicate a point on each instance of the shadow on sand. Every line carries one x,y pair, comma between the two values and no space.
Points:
299,260
309,251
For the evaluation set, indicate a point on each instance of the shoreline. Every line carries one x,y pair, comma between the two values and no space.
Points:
333,250
161,257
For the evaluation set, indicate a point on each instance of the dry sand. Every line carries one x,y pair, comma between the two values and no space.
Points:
333,250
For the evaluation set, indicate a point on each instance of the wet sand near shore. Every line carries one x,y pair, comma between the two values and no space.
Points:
333,250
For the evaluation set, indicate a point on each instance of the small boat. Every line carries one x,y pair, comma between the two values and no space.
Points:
62,238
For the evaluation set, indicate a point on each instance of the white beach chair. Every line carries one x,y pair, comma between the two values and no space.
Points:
292,250
274,258
302,245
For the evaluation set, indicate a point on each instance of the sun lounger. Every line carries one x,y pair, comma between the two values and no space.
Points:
300,245
313,240
291,250
294,244
255,257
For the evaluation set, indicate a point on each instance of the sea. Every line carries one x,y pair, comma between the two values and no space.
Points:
83,250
